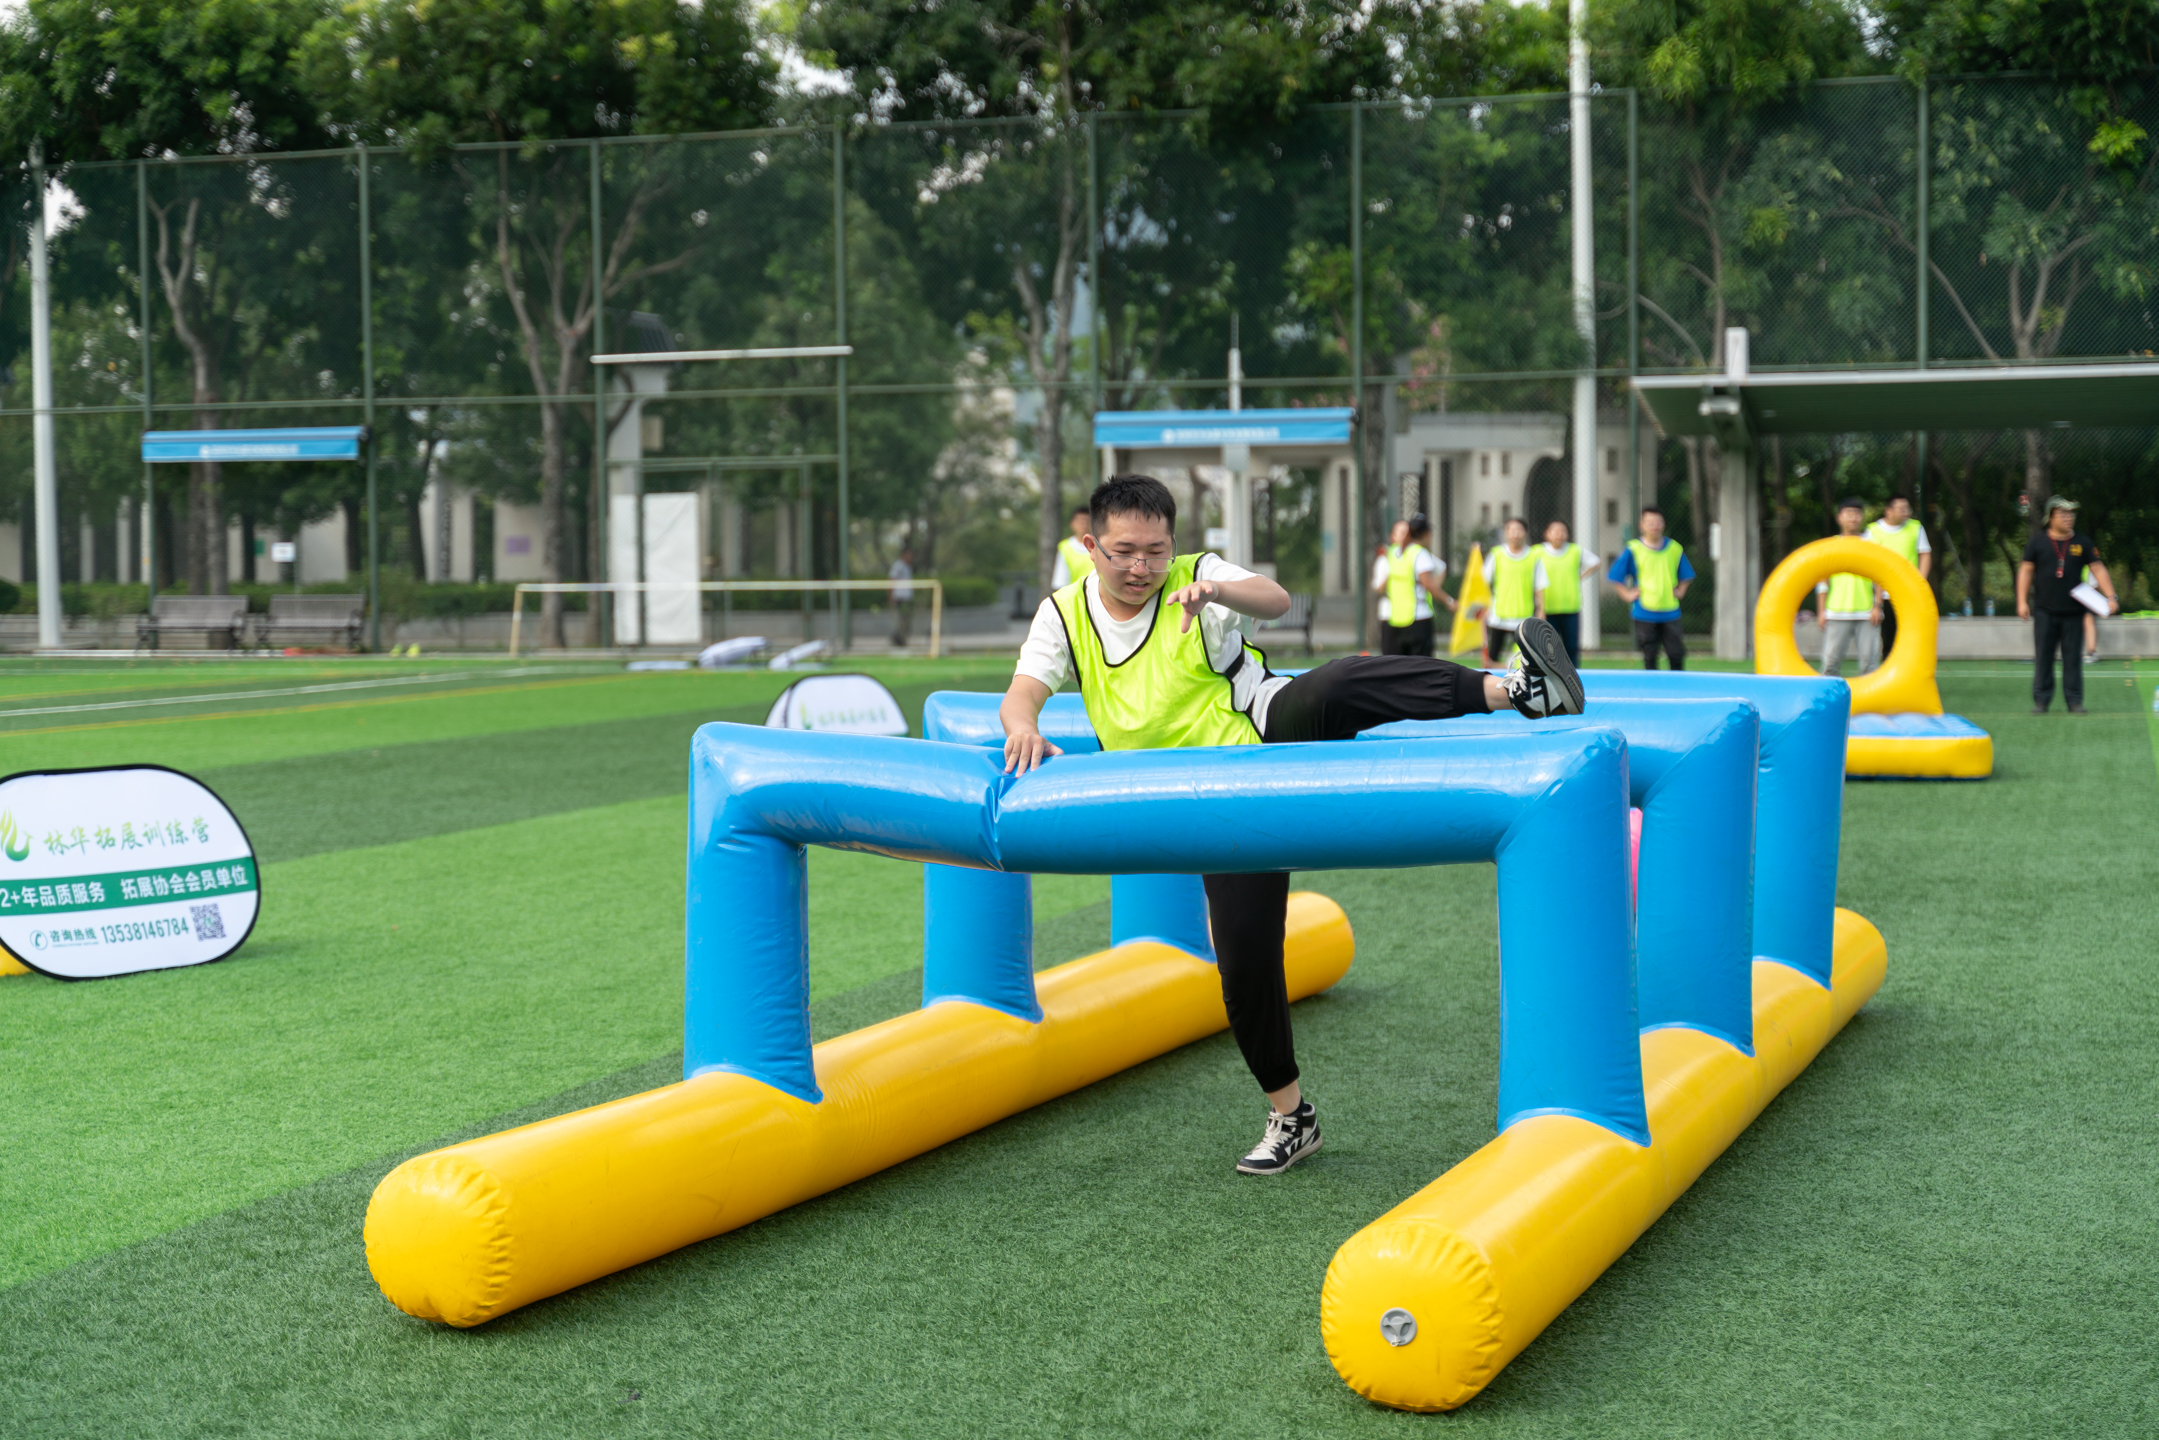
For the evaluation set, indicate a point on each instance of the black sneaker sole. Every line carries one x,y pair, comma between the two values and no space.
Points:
1311,1149
1541,642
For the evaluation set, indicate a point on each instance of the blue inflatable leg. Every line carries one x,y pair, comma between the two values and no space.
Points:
978,939
1168,908
1569,1042
746,993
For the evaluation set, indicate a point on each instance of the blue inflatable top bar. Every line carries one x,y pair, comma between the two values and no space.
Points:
1209,429
1691,766
189,447
1541,805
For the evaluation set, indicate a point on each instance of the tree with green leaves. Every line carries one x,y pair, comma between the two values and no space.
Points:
1004,208
163,78
522,77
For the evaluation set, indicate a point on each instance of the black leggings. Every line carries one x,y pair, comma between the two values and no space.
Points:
1248,913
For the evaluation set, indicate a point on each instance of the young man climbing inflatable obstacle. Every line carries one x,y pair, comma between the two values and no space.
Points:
1149,684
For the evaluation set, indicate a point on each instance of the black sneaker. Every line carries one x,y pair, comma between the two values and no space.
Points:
1289,1138
1543,682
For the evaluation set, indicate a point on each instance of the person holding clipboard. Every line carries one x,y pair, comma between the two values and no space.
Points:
2053,595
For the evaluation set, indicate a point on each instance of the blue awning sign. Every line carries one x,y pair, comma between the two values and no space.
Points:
1211,429
189,447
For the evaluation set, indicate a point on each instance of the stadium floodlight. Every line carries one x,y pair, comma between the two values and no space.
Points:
770,352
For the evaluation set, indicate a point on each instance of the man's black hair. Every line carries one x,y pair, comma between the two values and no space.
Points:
1083,510
1418,525
1653,510
1131,495
1852,502
1520,520
1900,495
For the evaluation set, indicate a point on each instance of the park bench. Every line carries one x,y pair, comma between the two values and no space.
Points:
1297,617
296,617
214,617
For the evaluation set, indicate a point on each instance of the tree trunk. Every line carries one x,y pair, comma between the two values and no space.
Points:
1050,450
1780,536
551,522
247,548
355,535
2038,476
596,506
205,535
418,530
1697,491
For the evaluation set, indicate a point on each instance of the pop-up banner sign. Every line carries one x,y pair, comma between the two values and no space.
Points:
119,870
846,704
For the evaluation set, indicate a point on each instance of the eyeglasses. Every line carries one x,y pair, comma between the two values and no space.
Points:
1153,564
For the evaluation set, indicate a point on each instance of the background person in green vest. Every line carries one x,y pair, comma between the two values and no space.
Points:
1406,576
1155,642
1518,581
1572,572
1072,559
1847,605
1652,575
1898,530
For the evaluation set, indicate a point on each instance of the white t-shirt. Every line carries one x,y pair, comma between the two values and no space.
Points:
900,574
1427,564
1491,570
1047,656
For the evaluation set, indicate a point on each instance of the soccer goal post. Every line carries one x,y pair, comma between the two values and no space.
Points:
724,588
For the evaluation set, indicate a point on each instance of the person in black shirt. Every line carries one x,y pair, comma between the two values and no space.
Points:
2053,566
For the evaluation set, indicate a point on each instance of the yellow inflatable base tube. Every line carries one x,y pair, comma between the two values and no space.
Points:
1482,1259
1896,757
470,1232
9,965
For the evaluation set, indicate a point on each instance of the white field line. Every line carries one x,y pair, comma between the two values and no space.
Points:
288,690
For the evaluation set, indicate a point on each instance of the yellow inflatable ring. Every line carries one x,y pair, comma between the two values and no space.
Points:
1904,682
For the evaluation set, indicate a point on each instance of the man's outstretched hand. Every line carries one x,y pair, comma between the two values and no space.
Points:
1194,597
1026,749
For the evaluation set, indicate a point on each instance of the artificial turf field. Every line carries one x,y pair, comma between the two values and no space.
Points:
472,918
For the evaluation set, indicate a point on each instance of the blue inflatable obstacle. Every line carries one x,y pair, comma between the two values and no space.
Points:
1613,1094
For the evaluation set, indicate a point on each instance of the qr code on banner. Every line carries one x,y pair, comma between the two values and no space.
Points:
209,925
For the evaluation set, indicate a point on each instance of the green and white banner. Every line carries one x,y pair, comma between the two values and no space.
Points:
114,871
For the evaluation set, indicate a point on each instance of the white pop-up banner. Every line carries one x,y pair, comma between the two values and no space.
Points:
113,871
846,704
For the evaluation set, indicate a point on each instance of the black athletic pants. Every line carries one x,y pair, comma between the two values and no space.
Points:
2049,633
1249,912
1415,638
1649,635
1569,625
1889,631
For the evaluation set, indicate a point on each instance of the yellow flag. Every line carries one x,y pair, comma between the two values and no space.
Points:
1475,599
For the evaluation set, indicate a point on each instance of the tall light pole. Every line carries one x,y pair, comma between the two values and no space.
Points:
1585,305
45,477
